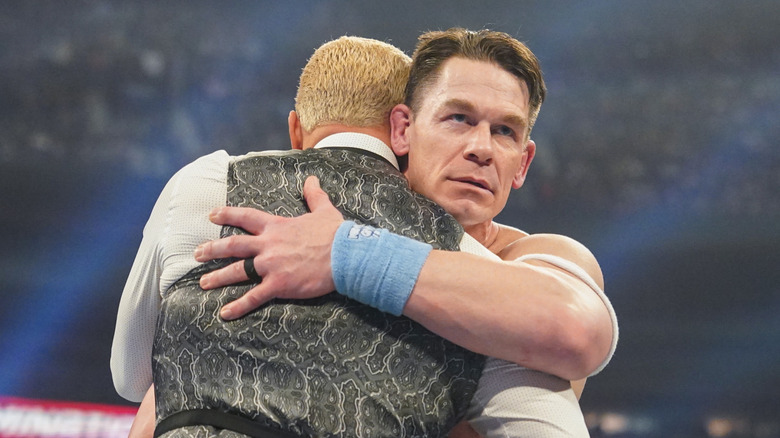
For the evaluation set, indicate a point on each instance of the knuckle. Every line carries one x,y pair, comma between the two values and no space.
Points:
230,243
244,214
253,300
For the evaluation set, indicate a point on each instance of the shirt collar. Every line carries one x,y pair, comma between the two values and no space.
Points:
359,141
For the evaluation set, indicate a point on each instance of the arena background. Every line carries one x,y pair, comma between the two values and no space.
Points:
657,148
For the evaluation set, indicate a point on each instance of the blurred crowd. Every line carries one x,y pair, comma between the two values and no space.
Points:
649,113
634,119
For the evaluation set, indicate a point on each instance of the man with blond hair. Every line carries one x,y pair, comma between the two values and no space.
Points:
330,366
471,102
325,366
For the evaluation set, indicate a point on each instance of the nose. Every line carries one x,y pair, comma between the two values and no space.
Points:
479,147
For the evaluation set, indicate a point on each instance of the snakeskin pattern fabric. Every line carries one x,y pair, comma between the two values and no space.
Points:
328,366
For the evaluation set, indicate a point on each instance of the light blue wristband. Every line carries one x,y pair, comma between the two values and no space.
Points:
375,266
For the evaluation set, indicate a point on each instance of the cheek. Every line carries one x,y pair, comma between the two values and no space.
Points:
511,170
423,161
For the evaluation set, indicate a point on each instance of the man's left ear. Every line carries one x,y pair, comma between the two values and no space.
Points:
525,162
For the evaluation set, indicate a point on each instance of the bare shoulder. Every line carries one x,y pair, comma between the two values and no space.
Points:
557,245
505,237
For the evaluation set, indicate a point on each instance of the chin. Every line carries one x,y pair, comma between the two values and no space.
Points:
466,211
466,216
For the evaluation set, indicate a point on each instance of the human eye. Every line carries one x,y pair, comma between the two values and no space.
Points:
460,118
505,131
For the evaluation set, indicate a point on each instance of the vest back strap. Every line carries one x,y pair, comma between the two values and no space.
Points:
219,419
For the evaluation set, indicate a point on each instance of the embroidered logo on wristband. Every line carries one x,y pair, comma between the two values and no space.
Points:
362,231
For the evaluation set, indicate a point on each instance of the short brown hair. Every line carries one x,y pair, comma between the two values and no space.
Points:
352,81
433,48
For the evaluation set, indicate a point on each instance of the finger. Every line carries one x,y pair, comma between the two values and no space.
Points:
250,219
230,274
256,297
241,246
315,197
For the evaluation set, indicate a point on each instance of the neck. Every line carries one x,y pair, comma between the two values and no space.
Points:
312,138
485,233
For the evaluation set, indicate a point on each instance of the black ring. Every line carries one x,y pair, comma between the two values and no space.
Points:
249,268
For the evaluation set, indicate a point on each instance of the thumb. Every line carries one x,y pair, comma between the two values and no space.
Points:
315,197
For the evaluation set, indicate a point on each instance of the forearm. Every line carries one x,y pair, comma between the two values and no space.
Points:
530,313
535,316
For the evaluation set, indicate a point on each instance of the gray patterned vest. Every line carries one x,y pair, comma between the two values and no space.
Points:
323,367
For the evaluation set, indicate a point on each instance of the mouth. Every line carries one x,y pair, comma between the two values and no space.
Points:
474,182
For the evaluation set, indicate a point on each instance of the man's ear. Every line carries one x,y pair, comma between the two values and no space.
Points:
400,120
525,162
295,130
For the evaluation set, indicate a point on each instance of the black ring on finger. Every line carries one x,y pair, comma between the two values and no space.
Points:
251,273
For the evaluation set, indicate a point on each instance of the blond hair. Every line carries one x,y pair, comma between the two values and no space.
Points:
352,81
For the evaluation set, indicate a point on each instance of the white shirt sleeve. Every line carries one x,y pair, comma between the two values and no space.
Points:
177,224
512,401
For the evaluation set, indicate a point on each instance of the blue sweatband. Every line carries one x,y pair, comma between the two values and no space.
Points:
375,266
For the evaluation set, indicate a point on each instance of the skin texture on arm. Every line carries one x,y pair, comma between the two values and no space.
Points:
528,313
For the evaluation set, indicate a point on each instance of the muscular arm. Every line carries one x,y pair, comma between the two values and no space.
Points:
530,313
510,247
